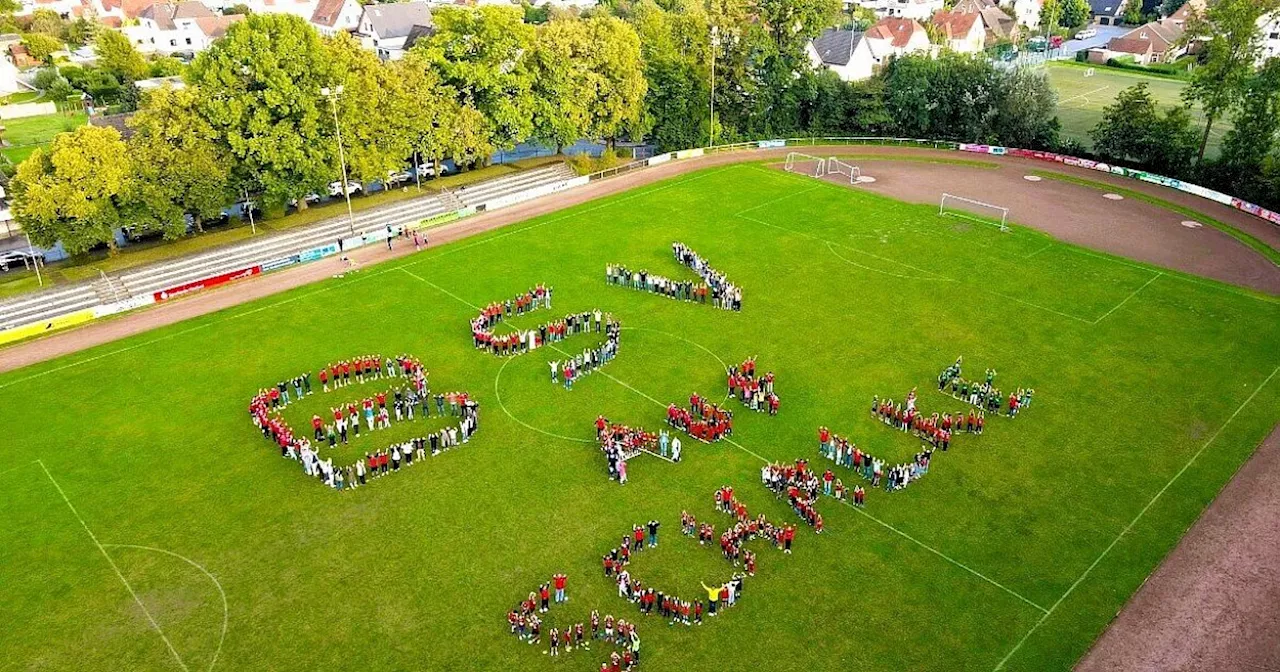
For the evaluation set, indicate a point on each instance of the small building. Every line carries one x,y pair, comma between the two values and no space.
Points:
336,16
962,33
1107,12
893,36
918,10
1027,12
386,28
1154,42
844,52
178,27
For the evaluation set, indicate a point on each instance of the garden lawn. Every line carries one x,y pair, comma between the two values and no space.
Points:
1081,99
25,135
1009,551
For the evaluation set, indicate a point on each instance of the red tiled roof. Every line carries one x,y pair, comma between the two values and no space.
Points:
1126,45
897,29
957,26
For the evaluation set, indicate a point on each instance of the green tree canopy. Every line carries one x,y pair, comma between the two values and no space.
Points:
179,169
374,111
484,54
73,191
41,46
1134,131
117,55
260,91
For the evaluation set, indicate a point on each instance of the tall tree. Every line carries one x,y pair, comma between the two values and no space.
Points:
1232,44
73,191
676,52
260,88
48,22
41,47
1026,112
484,54
565,87
117,55
178,168
1242,166
374,111
440,126
1075,14
1133,130
617,107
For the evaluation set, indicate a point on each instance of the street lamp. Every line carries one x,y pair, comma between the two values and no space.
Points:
332,95
35,261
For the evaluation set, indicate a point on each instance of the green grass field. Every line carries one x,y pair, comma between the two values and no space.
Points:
25,135
1081,99
1151,387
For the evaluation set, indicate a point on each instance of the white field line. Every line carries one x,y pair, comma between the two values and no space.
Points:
730,441
10,470
226,612
1047,246
1085,95
1126,299
115,568
1132,523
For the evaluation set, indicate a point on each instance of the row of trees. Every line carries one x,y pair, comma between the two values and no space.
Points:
253,118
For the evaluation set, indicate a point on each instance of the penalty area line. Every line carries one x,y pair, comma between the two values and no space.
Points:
1126,299
1128,528
114,567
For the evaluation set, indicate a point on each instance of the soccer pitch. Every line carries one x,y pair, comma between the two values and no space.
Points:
147,525
1081,99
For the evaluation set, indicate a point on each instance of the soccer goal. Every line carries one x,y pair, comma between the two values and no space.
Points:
954,206
794,158
837,167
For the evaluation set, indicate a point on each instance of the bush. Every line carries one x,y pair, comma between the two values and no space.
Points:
585,164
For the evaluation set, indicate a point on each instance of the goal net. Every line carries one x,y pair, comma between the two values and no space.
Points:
809,165
837,167
965,208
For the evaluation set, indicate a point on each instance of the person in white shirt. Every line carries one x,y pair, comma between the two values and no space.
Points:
675,449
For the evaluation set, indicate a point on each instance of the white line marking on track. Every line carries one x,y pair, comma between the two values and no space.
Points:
1132,523
114,567
20,466
226,612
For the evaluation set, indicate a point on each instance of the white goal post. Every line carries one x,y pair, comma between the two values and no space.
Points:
796,157
944,211
837,167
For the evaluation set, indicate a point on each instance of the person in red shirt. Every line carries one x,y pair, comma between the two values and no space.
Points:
787,535
559,581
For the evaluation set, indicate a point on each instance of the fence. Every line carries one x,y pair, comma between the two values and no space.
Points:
20,110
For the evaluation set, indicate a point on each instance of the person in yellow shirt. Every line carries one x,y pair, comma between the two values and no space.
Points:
713,594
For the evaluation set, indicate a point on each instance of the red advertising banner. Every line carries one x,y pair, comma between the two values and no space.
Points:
197,285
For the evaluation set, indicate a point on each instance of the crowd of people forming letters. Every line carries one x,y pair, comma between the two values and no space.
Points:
519,341
715,287
704,420
526,624
411,396
755,392
800,485
984,395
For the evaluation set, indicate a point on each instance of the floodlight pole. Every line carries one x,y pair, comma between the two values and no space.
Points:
249,207
715,42
35,261
332,95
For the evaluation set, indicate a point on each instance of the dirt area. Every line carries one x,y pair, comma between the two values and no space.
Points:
1214,603
1081,215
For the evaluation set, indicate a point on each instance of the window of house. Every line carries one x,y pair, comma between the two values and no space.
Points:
1275,36
188,40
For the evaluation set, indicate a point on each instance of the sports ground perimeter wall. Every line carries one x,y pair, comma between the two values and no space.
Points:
22,332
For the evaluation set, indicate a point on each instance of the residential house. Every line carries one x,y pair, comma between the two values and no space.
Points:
1107,12
1154,42
844,52
334,16
117,13
67,9
9,77
1269,24
962,33
385,28
893,36
181,27
918,10
1027,12
997,25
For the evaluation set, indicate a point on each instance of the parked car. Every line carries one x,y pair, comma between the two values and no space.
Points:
1055,42
353,187
397,176
1087,33
16,259
428,170
1037,44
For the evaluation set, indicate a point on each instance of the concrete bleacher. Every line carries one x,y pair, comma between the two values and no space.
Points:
155,277
476,194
